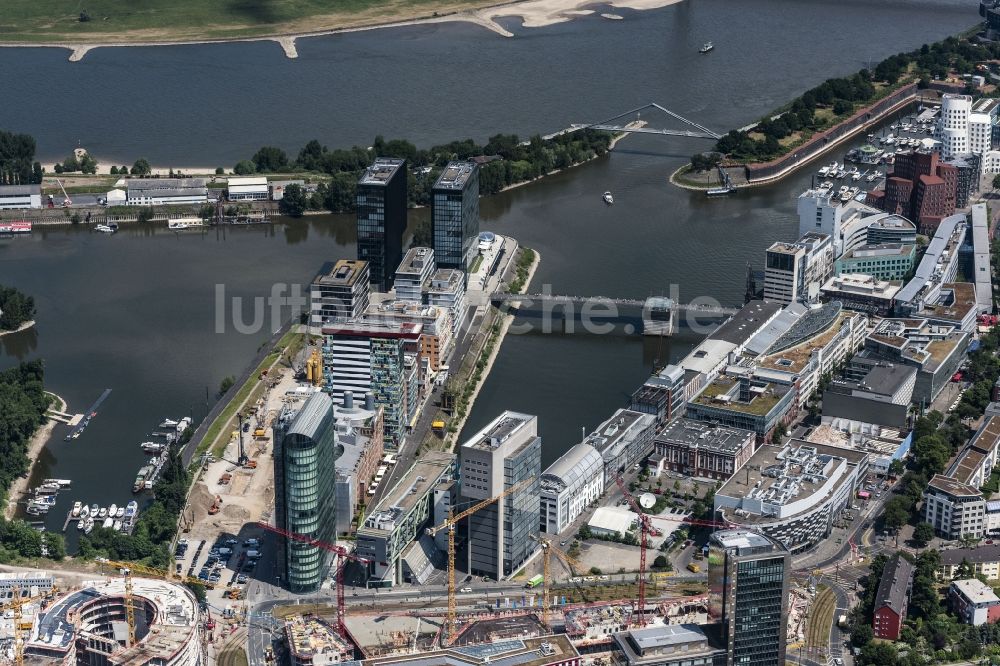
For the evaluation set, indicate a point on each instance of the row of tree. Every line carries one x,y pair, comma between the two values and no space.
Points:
842,95
17,160
16,308
509,161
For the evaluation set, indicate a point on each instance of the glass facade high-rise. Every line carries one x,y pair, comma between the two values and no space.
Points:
305,454
455,215
502,536
748,594
381,203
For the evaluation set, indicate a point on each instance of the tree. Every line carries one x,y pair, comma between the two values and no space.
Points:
896,512
15,309
294,201
84,16
778,433
896,468
996,181
879,654
862,635
141,167
144,214
244,168
660,562
595,571
423,235
226,384
923,533
219,171
114,170
269,159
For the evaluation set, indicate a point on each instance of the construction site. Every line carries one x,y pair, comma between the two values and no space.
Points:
117,619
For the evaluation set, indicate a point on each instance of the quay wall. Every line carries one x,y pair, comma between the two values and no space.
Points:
761,173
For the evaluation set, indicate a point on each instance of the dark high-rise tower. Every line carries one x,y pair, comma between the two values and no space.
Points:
381,201
748,593
455,215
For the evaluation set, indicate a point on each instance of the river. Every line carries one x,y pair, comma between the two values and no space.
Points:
136,312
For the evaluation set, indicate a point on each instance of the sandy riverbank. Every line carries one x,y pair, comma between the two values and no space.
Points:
533,14
23,327
35,446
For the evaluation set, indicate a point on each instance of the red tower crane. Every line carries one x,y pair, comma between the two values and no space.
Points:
342,556
645,529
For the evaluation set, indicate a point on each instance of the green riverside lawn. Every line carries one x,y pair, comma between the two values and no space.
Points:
138,21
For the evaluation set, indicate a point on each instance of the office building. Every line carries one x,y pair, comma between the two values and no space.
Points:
165,191
669,645
921,188
507,451
862,293
892,598
887,261
381,204
936,350
623,440
871,392
974,602
305,454
436,337
953,124
955,509
568,486
740,400
968,170
367,357
890,229
340,292
401,517
20,196
939,265
662,395
493,647
455,215
748,595
446,289
253,188
28,583
360,439
821,211
413,272
702,450
793,493
795,271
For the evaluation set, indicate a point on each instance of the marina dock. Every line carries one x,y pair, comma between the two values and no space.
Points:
89,414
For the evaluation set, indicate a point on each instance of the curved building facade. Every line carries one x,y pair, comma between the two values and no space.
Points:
569,484
305,489
88,626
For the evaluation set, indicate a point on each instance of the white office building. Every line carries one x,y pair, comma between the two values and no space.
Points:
446,289
165,191
796,271
569,484
953,124
415,269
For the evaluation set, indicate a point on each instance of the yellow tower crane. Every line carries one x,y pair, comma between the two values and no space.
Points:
126,569
15,603
449,525
549,549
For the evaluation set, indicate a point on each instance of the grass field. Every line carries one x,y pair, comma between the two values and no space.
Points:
138,21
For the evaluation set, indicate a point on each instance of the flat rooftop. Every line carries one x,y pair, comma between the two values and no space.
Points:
957,299
376,329
744,542
498,431
750,319
415,484
795,358
381,171
345,273
976,591
415,261
880,250
612,435
784,476
455,175
861,284
718,395
164,183
696,434
511,652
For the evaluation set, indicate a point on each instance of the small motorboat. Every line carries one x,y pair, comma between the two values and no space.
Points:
608,198
706,47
